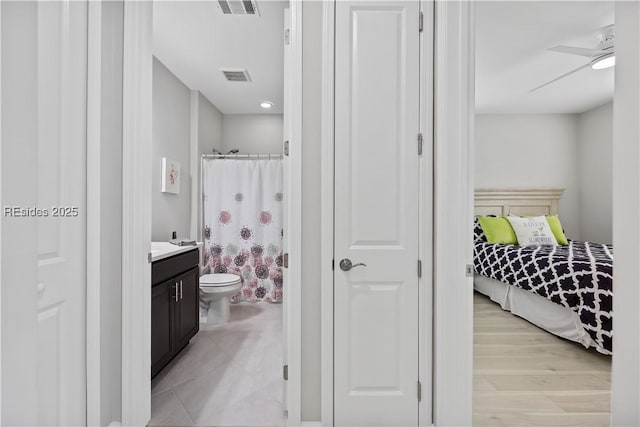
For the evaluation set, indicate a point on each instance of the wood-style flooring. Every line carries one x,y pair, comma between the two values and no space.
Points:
525,376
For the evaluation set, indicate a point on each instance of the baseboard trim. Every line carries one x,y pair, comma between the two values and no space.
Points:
311,424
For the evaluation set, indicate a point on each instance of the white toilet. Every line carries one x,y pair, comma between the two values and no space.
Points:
215,291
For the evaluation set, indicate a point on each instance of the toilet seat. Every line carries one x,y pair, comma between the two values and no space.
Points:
219,282
219,279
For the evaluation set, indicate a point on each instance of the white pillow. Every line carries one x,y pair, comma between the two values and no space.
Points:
534,230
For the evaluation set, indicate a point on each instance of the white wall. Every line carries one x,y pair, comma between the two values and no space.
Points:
206,135
209,126
532,150
595,140
171,139
252,133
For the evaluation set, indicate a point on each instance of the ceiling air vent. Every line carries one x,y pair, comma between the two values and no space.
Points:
238,7
236,75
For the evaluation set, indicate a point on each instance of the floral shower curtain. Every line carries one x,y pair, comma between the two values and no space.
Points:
243,224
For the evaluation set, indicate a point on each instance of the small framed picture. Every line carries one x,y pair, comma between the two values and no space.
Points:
170,176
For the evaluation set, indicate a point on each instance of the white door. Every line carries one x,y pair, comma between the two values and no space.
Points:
53,42
376,213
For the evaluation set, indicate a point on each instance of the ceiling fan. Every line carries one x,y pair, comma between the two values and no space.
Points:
601,57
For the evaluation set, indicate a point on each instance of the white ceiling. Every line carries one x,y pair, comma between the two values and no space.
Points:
194,40
511,56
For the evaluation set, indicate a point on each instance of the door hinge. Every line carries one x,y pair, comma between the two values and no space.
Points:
333,264
468,270
420,142
419,391
286,148
286,36
420,22
285,372
285,260
419,268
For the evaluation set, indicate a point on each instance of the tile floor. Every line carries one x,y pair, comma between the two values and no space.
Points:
229,376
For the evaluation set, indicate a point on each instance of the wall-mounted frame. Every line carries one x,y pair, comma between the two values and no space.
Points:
170,176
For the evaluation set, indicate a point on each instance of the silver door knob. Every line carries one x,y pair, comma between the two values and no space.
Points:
346,264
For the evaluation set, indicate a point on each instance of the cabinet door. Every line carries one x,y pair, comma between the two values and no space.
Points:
187,315
163,303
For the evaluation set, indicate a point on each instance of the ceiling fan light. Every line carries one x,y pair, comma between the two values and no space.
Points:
606,61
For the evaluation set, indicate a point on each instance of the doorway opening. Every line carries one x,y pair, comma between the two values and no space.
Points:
544,131
222,113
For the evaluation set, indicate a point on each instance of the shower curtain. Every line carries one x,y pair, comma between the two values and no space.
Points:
243,224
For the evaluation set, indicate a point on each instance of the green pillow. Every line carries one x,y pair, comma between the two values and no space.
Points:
556,229
498,230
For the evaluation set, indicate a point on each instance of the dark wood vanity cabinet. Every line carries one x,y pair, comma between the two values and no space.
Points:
187,315
175,299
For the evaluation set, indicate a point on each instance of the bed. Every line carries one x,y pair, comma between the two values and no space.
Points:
566,290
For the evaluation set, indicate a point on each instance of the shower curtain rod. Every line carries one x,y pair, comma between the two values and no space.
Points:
242,156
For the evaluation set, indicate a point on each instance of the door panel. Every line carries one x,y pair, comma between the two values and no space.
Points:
376,213
61,170
43,166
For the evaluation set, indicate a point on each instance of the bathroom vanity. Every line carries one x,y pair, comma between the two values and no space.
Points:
174,300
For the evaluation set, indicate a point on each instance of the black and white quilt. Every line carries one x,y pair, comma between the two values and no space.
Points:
577,276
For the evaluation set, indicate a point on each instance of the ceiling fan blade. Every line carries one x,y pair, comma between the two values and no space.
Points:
561,77
589,53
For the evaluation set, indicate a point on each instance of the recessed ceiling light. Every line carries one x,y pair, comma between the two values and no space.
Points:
266,104
603,62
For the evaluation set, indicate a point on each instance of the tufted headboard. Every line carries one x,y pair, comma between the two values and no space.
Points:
517,201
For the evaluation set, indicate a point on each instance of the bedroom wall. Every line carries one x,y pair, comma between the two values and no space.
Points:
171,139
531,150
252,133
595,145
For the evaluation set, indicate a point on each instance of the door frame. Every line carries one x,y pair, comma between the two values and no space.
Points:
136,209
455,80
294,316
94,111
625,369
425,370
1,220
326,213
454,110
137,111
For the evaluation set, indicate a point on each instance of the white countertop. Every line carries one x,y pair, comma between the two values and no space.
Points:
161,250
